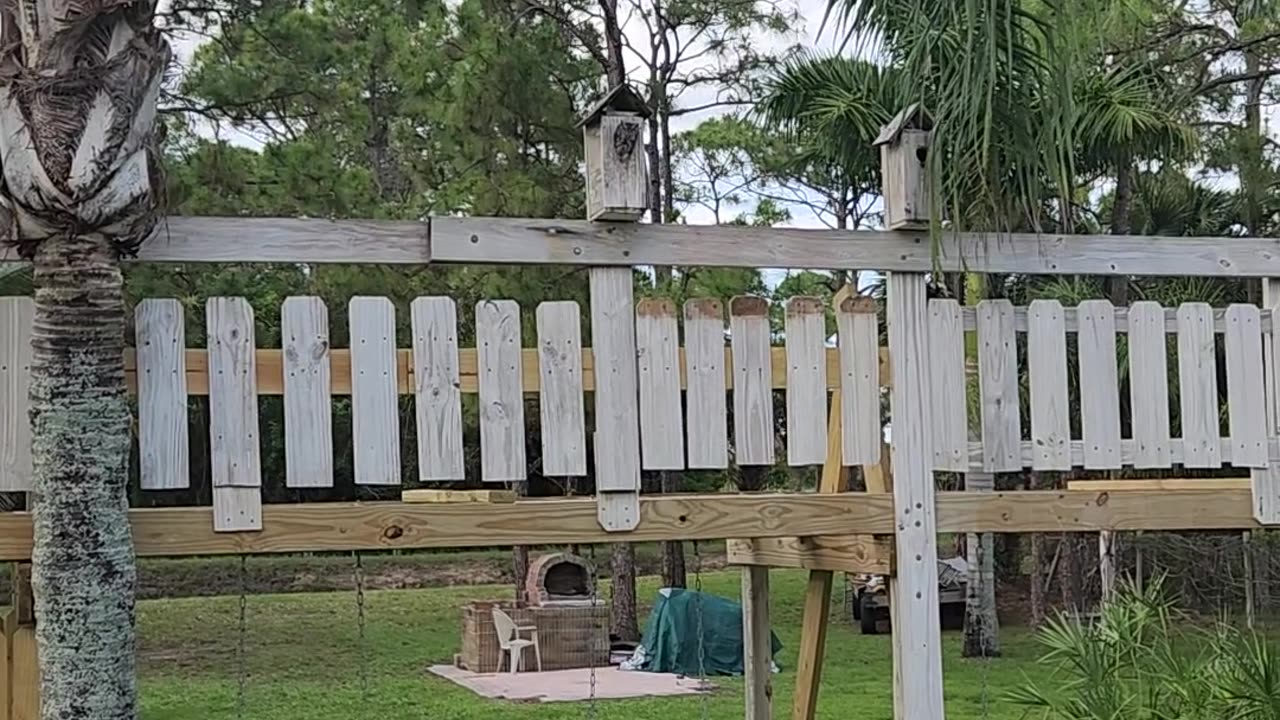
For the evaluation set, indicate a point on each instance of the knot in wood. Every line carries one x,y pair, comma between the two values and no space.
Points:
393,532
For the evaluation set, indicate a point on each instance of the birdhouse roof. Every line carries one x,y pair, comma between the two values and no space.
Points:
622,98
911,117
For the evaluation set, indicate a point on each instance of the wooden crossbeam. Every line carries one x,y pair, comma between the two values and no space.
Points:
270,369
345,526
1160,484
829,553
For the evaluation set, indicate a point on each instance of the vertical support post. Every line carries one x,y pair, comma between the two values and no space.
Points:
1266,481
1107,564
917,632
757,646
22,669
1250,606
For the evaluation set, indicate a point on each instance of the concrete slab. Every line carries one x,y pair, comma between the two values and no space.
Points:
570,685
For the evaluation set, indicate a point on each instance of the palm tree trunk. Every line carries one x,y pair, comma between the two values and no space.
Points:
83,573
1117,286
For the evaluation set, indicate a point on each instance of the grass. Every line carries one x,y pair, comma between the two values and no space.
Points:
303,662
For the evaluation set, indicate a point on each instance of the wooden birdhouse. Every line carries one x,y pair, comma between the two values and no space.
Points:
904,148
617,171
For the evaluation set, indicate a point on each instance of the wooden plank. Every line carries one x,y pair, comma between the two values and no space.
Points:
918,634
17,315
806,340
236,465
375,409
475,240
757,644
998,385
561,401
502,456
345,527
1198,386
831,553
1071,317
658,363
437,391
1266,483
163,445
950,421
859,332
1177,452
1100,398
1149,385
1047,368
458,496
752,387
308,407
1160,484
706,370
1246,395
617,435
25,690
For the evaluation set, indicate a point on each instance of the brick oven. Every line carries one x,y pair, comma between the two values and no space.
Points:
558,580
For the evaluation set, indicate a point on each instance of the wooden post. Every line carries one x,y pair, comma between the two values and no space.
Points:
1249,581
757,646
1107,564
1266,481
917,632
22,669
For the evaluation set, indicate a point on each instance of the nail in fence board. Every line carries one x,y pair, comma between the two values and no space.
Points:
752,381
437,389
1100,401
917,633
998,384
375,412
1047,361
1246,410
308,405
706,394
1198,385
859,338
947,378
806,343
617,434
658,360
1149,385
16,317
561,402
502,457
236,466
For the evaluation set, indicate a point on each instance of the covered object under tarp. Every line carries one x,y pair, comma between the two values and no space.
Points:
670,641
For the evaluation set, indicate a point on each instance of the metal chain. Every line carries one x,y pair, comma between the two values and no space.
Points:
242,632
360,625
702,654
592,710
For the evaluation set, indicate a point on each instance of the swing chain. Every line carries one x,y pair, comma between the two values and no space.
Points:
360,625
702,654
592,710
242,632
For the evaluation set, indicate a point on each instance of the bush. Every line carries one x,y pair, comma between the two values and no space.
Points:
1143,659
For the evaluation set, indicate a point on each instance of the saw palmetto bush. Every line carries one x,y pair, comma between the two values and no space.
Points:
79,81
1143,659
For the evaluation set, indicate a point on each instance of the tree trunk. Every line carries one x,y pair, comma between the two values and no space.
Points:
520,553
1117,286
84,574
981,624
615,69
752,478
1038,577
673,565
623,602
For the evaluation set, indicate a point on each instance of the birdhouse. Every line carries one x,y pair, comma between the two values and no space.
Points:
904,148
617,171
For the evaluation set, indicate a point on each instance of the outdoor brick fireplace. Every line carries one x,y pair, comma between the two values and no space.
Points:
558,580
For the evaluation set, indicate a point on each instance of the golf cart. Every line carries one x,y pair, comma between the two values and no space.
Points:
869,601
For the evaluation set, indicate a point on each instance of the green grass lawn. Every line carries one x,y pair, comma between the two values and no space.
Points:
303,662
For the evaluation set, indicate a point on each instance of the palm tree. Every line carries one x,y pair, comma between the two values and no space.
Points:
79,82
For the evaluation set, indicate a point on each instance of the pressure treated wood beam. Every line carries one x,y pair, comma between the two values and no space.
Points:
389,525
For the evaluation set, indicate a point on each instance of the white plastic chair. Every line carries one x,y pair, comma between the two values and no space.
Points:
510,642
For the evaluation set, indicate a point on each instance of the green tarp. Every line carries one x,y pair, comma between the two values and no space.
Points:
670,642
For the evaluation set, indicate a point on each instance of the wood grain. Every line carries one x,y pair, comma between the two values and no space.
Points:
308,406
753,382
1128,451
236,465
1071,317
163,445
1100,401
617,416
561,402
1149,385
17,315
950,420
375,411
1050,409
483,240
707,374
1198,386
436,386
1246,396
757,644
502,456
658,368
833,553
998,385
806,339
862,433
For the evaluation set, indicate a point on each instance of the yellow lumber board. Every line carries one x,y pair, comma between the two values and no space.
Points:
838,553
270,367
458,496
1160,484
25,691
387,525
